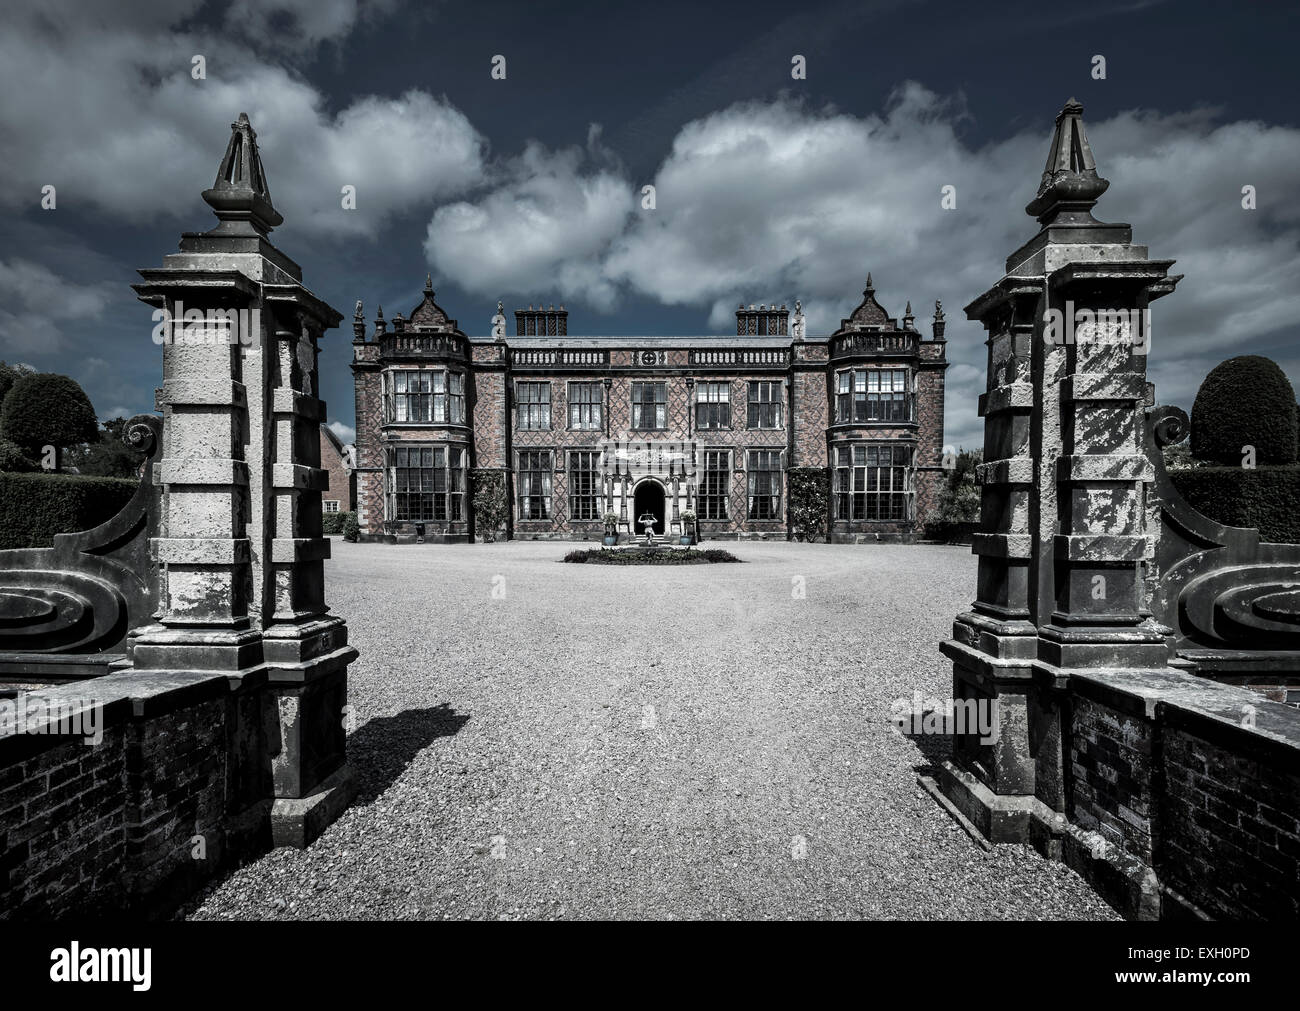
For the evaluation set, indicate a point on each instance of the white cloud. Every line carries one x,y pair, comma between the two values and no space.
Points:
346,433
112,118
768,201
543,228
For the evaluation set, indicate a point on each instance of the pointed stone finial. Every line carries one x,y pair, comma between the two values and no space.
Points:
870,288
240,197
428,284
1070,182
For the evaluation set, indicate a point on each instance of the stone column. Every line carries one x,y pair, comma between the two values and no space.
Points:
240,547
1062,523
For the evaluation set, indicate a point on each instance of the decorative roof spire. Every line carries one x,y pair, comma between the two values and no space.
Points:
240,197
870,288
1070,182
939,322
909,319
428,283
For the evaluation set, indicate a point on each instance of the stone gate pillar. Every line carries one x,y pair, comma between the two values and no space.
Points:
240,551
1063,534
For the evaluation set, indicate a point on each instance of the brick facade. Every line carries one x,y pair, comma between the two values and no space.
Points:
342,490
423,384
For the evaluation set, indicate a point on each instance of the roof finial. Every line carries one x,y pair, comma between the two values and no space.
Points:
428,283
240,197
1070,182
870,287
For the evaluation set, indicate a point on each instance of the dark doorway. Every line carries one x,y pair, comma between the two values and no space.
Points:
648,498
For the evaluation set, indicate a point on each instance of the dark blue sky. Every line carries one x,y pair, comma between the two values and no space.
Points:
643,73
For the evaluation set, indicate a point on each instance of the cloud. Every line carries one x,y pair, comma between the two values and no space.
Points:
34,301
544,227
346,433
111,117
773,200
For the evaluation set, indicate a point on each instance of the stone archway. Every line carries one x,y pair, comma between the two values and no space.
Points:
649,496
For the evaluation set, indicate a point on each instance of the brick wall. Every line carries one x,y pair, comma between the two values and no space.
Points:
1195,804
174,793
331,461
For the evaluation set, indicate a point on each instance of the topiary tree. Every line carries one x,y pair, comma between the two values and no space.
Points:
45,409
13,460
9,374
1245,401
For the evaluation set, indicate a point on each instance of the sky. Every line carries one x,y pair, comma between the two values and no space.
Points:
528,189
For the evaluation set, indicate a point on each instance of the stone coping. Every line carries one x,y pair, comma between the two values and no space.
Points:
1216,712
120,698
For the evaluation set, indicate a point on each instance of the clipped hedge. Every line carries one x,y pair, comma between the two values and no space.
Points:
35,507
1265,497
335,523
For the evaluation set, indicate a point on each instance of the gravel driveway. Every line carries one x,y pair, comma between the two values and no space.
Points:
537,740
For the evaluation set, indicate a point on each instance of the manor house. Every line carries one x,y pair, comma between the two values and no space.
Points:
647,427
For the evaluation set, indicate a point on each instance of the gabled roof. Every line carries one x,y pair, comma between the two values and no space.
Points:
428,315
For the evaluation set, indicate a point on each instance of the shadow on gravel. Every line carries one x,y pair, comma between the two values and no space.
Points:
934,748
382,749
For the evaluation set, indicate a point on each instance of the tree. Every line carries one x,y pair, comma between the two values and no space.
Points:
111,455
9,374
13,460
45,409
958,500
1245,401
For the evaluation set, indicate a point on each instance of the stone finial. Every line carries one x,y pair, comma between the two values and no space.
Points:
1070,181
938,310
938,324
870,289
428,284
358,324
240,197
380,325
501,307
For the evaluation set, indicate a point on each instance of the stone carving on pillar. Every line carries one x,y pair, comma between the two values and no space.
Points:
1064,536
239,547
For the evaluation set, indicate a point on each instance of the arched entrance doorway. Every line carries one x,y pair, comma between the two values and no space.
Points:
648,497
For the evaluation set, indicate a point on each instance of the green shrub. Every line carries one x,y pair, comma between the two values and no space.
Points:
649,556
35,507
1245,401
351,528
335,523
1267,498
810,502
44,409
111,455
13,460
488,488
956,510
